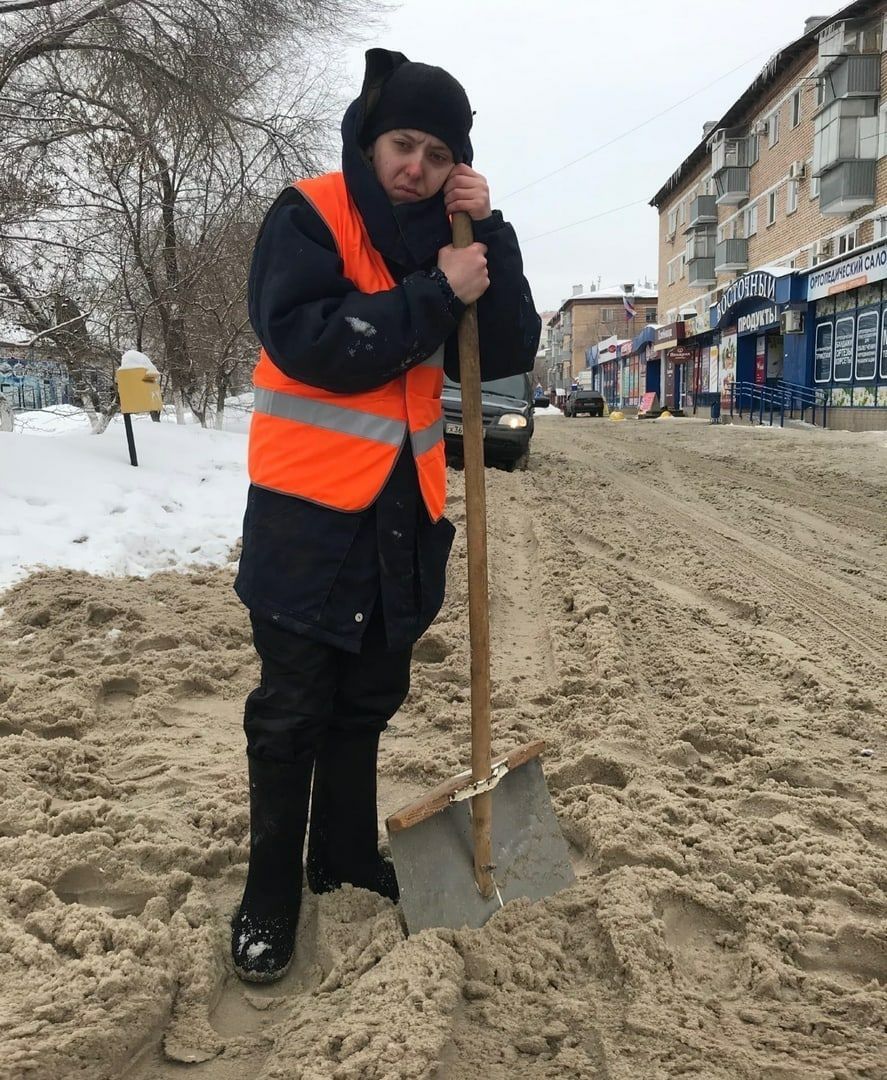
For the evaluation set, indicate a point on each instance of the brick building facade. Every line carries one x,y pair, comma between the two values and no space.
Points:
793,179
587,318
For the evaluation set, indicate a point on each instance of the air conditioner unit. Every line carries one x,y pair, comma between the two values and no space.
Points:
791,322
797,170
822,249
762,127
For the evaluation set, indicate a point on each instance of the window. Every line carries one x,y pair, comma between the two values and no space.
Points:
773,130
751,220
672,222
682,212
814,187
881,228
608,314
846,242
771,208
791,197
882,132
683,264
820,93
650,313
796,108
672,275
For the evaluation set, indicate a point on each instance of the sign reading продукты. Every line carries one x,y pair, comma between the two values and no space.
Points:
758,320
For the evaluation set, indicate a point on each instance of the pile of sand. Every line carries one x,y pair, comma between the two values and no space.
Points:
693,618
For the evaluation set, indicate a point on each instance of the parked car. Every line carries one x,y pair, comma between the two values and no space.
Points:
507,406
590,402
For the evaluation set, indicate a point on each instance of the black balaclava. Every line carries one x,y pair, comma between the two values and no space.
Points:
410,234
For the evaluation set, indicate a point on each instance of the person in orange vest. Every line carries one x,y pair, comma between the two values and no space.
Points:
355,293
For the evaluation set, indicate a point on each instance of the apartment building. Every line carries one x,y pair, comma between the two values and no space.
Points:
773,231
588,317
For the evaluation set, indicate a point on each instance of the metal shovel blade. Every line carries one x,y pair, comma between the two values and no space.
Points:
434,859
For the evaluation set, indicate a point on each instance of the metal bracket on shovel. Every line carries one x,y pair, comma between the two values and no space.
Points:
479,786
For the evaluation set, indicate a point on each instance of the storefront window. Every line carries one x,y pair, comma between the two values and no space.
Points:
870,295
824,346
867,345
825,306
845,333
845,301
883,364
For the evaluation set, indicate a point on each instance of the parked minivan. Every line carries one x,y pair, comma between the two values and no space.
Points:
507,406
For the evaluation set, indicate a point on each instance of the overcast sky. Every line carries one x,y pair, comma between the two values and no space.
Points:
551,80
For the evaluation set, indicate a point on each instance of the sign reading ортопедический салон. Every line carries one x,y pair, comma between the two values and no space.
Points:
850,273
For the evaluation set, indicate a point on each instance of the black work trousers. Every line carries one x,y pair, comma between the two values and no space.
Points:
309,690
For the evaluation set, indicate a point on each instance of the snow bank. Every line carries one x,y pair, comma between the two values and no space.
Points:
75,501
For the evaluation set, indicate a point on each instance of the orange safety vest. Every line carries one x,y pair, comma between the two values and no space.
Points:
338,450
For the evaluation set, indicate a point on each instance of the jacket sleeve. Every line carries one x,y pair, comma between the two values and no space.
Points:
508,326
317,326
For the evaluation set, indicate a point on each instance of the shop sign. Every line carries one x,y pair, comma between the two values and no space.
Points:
672,332
680,355
858,270
758,285
626,349
758,320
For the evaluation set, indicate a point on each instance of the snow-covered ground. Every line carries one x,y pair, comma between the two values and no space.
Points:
69,498
75,501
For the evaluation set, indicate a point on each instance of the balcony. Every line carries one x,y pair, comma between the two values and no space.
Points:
701,272
727,153
732,186
855,76
701,245
845,39
731,255
703,211
847,187
846,131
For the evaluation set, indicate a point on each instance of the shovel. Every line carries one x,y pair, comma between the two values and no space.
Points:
457,866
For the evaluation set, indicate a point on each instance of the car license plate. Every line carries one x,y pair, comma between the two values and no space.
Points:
458,429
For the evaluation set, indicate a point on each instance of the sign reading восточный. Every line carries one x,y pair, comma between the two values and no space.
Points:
756,285
851,273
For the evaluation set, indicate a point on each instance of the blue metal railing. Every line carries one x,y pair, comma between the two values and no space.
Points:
775,401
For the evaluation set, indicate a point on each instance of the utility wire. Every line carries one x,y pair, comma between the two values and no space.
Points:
594,217
631,131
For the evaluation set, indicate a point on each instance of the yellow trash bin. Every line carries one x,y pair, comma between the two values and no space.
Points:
139,390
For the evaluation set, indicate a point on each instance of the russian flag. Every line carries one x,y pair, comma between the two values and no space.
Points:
630,311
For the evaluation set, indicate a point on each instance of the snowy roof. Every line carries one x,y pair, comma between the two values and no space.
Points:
616,292
778,64
13,334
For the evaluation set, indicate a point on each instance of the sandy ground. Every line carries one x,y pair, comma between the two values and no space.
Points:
694,617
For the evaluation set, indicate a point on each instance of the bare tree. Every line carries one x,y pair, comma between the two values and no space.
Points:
142,143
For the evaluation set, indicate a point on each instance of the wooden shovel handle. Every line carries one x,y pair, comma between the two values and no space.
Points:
478,587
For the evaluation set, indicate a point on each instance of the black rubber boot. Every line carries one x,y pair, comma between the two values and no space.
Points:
343,838
263,931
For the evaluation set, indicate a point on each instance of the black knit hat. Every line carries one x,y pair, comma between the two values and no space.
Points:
417,96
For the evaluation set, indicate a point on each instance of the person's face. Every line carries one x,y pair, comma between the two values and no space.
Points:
410,165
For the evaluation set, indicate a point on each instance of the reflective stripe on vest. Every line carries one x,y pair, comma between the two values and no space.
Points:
338,450
427,438
333,417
